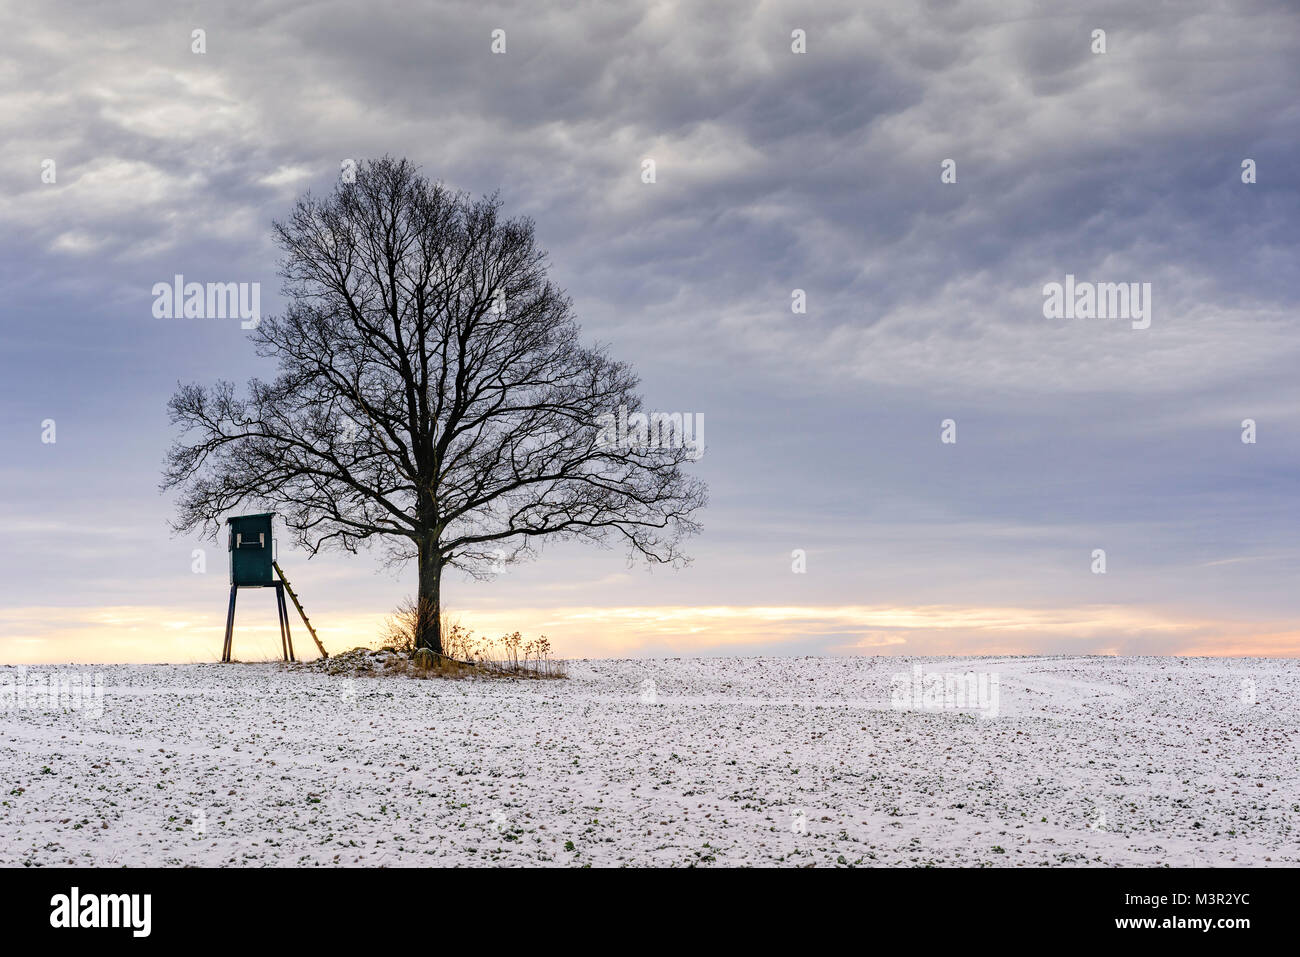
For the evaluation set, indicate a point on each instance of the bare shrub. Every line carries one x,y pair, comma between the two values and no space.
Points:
464,652
512,655
399,628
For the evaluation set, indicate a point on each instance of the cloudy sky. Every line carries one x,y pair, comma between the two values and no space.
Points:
775,171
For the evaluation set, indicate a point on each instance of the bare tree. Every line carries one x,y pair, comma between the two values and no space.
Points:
432,396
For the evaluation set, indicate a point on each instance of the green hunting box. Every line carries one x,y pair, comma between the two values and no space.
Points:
252,552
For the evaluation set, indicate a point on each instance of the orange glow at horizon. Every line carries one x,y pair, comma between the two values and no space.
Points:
145,634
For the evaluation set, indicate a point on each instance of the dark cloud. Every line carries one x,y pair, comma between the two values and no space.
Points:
775,171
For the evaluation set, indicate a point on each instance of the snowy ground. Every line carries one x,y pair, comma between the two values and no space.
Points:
721,761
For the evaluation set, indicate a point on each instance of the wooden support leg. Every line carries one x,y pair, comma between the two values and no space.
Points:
293,596
279,612
230,624
288,632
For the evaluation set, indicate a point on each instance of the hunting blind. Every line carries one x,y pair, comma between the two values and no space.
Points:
253,565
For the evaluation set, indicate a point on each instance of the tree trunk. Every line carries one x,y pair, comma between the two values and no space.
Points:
428,626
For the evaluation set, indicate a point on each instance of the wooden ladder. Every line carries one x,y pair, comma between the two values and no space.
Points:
297,604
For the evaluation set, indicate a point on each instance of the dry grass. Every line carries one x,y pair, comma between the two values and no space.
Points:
441,666
388,662
464,653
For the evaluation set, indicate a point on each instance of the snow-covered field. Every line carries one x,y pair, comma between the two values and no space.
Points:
716,761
